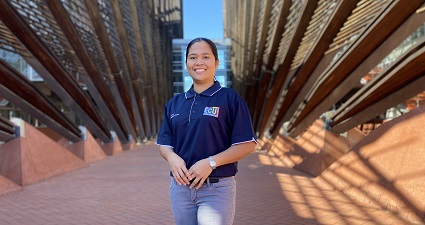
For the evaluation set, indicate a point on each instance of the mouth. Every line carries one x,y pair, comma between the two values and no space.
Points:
200,70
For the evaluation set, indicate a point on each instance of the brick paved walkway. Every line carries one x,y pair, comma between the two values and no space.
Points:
132,188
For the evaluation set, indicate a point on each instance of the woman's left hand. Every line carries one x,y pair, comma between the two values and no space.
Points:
200,172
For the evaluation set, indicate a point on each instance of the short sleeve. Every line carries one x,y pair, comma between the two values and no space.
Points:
242,127
165,135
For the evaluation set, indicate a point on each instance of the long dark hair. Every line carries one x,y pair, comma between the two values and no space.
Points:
209,42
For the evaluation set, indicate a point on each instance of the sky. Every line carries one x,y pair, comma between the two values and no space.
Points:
202,18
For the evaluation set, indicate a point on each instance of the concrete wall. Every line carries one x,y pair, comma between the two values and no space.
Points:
33,157
315,150
385,168
40,153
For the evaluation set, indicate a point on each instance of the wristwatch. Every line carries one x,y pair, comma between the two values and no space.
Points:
212,163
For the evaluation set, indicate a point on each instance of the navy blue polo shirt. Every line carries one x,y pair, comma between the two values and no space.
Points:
197,126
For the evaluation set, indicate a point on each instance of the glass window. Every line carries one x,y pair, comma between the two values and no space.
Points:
177,77
177,56
222,58
178,89
177,66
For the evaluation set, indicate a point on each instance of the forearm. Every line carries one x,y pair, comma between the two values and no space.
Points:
201,169
165,151
234,153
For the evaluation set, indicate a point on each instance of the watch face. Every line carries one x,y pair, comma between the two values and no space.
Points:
212,162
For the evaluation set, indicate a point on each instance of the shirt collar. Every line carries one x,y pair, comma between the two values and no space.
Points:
209,92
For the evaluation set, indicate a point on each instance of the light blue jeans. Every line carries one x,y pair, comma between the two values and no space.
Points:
212,204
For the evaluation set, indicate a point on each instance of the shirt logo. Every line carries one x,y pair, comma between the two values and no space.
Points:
211,111
173,115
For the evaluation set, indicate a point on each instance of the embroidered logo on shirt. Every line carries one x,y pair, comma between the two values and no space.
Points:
173,115
211,111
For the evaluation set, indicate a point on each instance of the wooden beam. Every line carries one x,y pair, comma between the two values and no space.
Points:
4,136
266,75
22,93
308,85
135,81
415,21
152,48
159,67
105,100
7,124
395,14
167,77
141,60
7,129
397,37
340,14
401,83
401,73
103,35
68,88
294,43
253,36
261,40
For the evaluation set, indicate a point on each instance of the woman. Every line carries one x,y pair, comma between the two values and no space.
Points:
204,132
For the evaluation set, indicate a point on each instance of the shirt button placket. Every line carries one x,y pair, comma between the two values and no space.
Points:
195,104
192,111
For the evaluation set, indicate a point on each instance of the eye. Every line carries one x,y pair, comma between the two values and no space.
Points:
206,57
192,57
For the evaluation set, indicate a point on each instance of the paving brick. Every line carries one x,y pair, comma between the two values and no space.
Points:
132,188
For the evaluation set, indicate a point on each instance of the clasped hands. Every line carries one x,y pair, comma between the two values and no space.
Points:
197,173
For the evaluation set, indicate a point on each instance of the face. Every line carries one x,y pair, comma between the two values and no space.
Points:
201,63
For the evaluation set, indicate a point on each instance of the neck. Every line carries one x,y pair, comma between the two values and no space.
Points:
199,88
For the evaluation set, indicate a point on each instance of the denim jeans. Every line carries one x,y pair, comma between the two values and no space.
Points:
212,204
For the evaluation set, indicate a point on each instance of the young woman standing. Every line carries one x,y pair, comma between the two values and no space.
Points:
204,132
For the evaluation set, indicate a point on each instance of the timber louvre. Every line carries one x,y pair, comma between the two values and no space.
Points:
102,60
337,43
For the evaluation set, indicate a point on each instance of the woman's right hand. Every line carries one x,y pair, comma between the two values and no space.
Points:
177,165
178,169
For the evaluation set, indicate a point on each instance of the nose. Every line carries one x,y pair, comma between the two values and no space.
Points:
199,62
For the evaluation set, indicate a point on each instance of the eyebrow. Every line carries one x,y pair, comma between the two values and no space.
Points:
201,53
